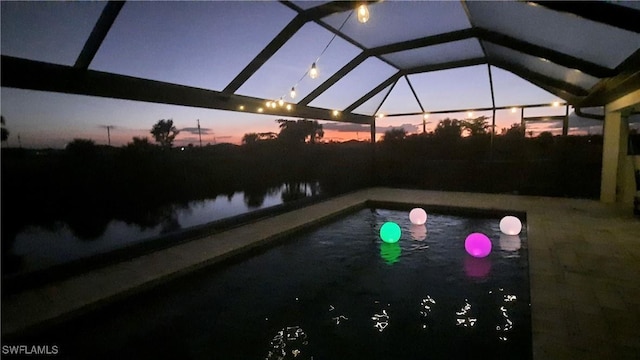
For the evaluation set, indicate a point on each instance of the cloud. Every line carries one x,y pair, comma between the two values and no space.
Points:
410,128
349,127
194,130
346,127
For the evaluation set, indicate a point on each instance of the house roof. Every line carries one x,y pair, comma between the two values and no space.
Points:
586,53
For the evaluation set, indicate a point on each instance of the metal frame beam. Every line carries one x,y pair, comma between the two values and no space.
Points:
334,78
603,12
266,53
545,53
374,91
538,79
98,34
607,90
35,75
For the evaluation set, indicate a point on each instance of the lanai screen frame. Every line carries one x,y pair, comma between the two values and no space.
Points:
79,79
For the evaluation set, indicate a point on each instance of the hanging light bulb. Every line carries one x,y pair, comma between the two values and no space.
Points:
293,92
313,73
363,13
280,102
425,116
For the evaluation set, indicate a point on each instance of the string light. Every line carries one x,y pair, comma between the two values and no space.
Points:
363,13
514,109
281,102
293,92
425,116
470,114
313,73
556,104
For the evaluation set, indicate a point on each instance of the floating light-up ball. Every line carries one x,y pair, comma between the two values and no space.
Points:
390,232
418,216
510,225
477,245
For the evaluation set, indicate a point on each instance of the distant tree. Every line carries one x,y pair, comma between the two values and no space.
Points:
394,134
140,143
5,131
81,146
250,138
299,131
448,129
516,131
164,132
477,126
545,138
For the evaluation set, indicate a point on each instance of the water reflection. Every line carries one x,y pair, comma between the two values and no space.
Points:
418,232
288,343
510,242
41,246
390,252
477,268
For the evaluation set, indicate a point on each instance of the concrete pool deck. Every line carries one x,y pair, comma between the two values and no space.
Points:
584,264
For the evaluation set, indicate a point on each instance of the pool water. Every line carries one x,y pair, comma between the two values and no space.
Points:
335,292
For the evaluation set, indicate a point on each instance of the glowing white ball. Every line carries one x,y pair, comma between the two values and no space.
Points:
510,225
418,216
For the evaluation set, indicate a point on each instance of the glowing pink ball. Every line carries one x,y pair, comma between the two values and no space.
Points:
477,245
418,216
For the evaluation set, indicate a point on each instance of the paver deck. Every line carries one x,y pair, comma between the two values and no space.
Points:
584,259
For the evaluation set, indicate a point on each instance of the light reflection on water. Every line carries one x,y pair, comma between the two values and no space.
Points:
41,247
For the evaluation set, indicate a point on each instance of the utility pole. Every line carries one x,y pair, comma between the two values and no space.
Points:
108,127
199,134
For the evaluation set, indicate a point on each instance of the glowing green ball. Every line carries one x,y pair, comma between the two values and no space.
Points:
390,232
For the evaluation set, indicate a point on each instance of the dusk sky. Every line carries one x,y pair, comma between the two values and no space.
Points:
206,44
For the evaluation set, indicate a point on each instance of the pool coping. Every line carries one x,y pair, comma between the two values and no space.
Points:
550,223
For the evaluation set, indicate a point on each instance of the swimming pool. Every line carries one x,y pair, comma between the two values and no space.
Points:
335,292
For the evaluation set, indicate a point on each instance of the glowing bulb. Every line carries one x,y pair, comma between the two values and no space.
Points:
280,102
556,104
513,109
363,14
477,245
469,114
313,73
241,107
293,93
288,106
510,225
390,232
380,115
425,116
268,104
418,216
260,110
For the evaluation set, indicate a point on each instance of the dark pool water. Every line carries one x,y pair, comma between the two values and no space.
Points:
336,292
